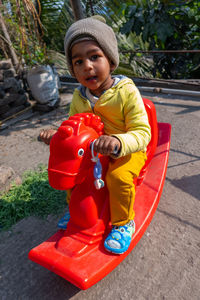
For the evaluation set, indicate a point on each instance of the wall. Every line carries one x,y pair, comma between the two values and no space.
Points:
13,97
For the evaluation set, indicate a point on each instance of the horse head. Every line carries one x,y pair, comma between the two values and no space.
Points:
70,154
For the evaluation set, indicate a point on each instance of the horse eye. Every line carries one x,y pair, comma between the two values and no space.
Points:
80,152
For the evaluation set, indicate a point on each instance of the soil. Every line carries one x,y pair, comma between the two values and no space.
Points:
164,264
19,146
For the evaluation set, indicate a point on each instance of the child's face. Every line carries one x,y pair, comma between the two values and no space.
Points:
91,67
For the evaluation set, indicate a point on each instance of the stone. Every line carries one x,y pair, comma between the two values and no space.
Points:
9,73
5,174
1,75
20,100
4,109
18,180
2,93
22,91
8,98
12,85
6,64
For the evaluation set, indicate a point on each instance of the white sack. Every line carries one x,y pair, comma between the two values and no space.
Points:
43,84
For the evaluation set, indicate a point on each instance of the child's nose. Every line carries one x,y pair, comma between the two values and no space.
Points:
88,64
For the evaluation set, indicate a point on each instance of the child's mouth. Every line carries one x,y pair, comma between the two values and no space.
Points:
92,79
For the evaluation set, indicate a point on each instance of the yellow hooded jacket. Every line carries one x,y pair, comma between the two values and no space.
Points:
122,111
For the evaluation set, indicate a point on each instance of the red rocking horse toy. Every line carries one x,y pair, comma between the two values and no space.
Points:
77,253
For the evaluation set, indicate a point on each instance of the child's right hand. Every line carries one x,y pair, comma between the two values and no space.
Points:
46,135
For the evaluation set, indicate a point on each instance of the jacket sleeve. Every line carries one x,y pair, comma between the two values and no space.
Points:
138,131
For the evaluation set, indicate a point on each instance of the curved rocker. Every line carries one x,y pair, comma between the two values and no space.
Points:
77,254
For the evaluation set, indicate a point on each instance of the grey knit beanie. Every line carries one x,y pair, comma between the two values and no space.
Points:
92,29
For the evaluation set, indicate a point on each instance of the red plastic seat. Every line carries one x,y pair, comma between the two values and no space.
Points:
151,148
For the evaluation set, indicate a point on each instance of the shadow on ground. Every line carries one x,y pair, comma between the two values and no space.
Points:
28,280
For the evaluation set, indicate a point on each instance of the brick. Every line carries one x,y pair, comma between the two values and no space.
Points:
6,64
12,85
9,73
8,98
4,109
2,93
19,101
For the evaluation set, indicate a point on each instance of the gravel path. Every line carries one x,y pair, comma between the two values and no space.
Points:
166,262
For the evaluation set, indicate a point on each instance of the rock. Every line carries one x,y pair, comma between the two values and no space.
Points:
9,73
1,75
8,98
2,93
10,184
18,180
20,100
12,85
13,97
5,174
4,109
6,64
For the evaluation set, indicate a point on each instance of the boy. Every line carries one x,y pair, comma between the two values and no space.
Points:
92,55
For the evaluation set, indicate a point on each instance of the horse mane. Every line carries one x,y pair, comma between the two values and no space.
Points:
76,122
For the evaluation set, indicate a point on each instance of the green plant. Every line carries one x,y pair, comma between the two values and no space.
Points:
130,64
34,197
166,25
56,17
26,31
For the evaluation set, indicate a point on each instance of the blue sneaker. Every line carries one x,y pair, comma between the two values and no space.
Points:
119,238
62,224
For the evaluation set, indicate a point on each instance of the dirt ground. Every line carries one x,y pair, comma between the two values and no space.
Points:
165,264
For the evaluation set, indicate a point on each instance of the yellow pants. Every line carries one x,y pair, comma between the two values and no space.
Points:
119,178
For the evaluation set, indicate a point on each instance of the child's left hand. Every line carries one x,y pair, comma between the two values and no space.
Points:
106,145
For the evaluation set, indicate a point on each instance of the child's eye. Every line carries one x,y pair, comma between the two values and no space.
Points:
78,62
94,57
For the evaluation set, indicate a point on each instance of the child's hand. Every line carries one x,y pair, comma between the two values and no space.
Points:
106,145
46,135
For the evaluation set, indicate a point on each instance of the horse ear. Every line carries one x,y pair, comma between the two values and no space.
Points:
65,131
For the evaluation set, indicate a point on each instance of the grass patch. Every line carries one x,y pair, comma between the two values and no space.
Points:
34,197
